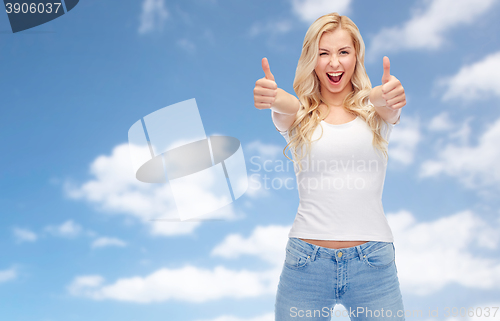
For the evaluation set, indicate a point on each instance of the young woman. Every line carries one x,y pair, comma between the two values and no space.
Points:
340,247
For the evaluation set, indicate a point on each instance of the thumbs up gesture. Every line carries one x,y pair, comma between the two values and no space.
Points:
392,92
266,89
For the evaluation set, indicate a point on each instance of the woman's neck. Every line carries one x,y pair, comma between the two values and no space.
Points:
335,99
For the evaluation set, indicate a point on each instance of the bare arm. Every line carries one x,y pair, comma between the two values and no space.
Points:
284,110
285,103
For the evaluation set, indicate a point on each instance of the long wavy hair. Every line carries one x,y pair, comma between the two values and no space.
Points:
307,88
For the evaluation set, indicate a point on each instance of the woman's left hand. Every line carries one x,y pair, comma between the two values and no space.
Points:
392,93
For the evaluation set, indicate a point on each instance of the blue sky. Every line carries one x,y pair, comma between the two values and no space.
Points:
77,241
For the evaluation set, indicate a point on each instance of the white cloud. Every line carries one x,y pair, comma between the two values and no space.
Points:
8,275
24,235
450,131
404,140
267,243
431,255
440,122
475,167
115,189
66,229
83,284
152,16
473,82
189,283
310,10
196,284
108,241
427,28
265,151
187,45
273,27
462,134
167,228
306,10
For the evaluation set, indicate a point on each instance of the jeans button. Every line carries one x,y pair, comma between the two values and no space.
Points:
340,254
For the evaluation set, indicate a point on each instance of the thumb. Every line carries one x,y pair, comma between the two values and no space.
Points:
267,70
387,70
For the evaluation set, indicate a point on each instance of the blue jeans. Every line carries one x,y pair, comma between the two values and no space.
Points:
362,278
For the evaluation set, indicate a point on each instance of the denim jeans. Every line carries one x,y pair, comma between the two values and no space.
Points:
362,278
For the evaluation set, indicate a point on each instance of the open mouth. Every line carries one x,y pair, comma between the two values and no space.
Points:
335,79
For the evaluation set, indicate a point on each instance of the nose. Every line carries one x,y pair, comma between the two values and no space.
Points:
334,61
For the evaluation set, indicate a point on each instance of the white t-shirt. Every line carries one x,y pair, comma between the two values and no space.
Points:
341,183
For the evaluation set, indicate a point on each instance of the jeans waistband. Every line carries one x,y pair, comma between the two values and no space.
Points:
324,252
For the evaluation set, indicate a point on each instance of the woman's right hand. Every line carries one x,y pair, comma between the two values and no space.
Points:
266,89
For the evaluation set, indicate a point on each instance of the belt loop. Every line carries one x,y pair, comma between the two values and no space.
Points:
360,253
313,254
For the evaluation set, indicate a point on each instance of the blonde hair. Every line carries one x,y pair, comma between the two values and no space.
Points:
307,88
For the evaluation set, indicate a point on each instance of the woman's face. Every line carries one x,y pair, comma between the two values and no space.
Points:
336,55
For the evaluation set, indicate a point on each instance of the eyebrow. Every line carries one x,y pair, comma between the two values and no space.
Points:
339,49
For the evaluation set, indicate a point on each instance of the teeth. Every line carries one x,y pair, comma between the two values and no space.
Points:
335,74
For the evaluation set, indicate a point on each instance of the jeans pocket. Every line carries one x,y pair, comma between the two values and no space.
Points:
380,258
296,258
